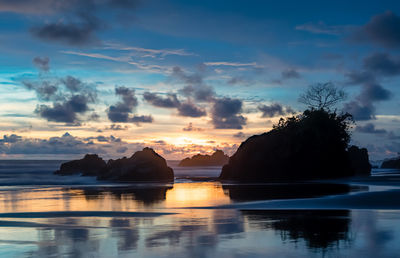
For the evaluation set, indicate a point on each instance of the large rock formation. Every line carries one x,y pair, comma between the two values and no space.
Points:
90,165
218,158
145,165
310,146
391,163
359,161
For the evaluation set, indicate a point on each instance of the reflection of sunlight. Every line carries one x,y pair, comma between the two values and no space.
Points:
196,194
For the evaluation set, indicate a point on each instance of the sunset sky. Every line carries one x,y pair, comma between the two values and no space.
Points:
183,77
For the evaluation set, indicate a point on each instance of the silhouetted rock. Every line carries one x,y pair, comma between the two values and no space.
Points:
90,165
391,163
218,158
145,165
359,161
312,145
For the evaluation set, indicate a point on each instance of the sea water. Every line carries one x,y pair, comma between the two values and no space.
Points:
44,215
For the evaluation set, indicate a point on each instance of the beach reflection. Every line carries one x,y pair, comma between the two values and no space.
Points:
189,231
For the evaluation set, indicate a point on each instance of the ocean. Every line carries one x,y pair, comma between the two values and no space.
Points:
44,215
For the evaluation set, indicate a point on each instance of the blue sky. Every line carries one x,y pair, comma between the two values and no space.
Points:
188,76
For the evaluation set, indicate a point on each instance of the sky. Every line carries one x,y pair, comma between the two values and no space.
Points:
187,77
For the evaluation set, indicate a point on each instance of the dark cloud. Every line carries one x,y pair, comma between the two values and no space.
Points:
370,128
171,101
372,92
195,78
226,114
383,29
75,34
122,111
360,111
190,110
65,145
78,22
202,92
122,149
70,98
12,138
42,63
290,74
66,111
239,135
357,77
382,64
117,127
275,109
187,108
141,119
72,83
190,128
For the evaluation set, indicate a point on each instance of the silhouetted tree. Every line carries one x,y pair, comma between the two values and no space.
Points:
322,96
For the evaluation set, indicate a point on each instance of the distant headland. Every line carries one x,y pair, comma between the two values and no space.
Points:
218,158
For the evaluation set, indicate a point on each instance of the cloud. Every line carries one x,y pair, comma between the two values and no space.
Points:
65,111
195,78
359,77
274,110
362,107
42,63
190,110
239,135
226,114
320,28
141,119
383,30
75,33
360,111
70,98
148,52
74,26
117,127
201,92
191,128
372,92
370,128
382,64
290,74
233,64
66,145
171,101
121,111
12,138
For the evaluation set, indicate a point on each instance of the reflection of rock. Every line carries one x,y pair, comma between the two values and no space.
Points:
319,228
146,195
218,158
310,146
90,165
359,160
145,165
283,191
392,163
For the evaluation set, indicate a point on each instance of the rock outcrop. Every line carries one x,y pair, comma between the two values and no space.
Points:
391,163
218,158
359,161
90,165
310,146
145,165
